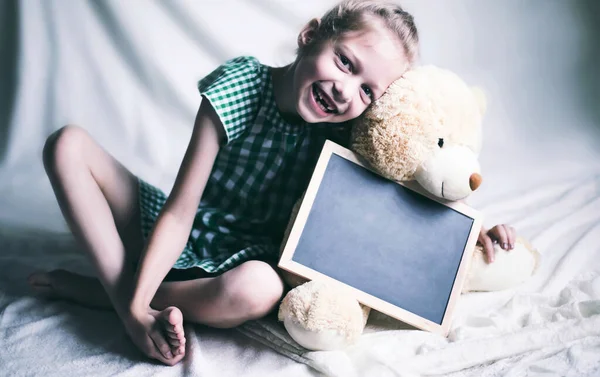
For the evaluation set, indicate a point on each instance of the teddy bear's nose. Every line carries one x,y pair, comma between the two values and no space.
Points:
475,181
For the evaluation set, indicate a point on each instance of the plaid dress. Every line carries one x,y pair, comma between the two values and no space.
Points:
258,175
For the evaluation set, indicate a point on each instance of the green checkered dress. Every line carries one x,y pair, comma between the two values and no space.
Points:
258,175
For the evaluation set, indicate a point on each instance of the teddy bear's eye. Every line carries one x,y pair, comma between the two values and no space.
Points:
440,142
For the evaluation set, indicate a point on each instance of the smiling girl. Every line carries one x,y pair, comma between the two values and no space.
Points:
207,252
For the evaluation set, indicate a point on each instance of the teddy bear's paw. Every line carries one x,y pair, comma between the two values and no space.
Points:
509,269
320,317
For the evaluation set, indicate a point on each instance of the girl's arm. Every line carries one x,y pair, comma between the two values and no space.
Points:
171,231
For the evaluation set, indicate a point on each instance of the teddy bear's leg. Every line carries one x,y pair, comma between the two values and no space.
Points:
320,317
509,269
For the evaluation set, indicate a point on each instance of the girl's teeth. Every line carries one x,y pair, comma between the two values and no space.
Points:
322,102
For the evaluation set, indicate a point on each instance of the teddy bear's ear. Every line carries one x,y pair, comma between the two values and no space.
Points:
481,98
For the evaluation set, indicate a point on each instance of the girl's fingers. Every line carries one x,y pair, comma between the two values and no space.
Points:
488,246
499,234
161,344
512,236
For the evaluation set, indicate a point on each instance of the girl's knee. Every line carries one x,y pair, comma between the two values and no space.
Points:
63,146
258,286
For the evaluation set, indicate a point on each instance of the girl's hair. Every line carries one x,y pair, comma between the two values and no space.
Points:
354,15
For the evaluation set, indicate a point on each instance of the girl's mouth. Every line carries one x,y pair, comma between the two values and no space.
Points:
323,101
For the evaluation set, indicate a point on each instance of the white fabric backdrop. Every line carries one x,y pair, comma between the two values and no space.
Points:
127,72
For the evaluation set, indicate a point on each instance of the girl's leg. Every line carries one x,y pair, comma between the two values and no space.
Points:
246,292
99,200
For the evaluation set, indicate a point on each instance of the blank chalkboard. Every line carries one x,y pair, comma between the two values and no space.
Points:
397,249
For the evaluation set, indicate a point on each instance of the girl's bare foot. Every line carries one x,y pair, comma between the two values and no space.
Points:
62,284
88,291
172,319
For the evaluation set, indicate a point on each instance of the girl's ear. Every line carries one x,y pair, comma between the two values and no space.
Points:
308,32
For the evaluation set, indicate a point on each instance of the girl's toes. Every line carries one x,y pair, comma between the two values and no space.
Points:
173,324
174,317
177,342
39,279
41,283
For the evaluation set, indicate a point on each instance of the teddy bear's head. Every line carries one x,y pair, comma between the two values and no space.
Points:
426,127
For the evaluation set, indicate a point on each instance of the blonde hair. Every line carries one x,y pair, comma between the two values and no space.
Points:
353,15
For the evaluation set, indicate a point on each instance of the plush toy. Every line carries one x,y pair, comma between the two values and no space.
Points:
426,127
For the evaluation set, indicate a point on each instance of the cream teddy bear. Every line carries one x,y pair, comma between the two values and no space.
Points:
426,127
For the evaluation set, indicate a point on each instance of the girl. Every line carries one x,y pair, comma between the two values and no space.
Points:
207,252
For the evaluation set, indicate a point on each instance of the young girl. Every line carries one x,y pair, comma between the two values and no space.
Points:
207,253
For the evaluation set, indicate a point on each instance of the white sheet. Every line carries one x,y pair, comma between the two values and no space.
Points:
51,338
126,71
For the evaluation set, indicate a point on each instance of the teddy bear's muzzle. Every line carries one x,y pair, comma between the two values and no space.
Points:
451,173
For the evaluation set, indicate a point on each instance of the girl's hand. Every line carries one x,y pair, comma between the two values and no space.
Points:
148,330
502,234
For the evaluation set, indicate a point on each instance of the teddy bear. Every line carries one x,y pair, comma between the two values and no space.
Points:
426,128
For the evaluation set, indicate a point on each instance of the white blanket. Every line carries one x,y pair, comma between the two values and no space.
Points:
58,338
126,71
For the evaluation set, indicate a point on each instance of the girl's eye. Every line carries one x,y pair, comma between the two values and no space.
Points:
440,142
367,91
345,62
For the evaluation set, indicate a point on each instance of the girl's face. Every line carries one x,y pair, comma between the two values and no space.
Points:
341,78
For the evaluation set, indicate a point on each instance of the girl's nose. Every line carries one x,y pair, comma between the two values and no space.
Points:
341,92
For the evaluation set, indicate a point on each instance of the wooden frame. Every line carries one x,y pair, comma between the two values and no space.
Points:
286,262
